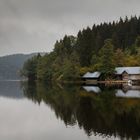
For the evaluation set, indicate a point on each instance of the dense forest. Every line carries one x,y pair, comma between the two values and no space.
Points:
102,48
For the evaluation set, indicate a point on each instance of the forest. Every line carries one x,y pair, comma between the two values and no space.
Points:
100,48
104,114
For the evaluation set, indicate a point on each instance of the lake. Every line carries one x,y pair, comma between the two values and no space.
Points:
35,111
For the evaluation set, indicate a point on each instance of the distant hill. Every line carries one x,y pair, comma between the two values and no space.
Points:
10,65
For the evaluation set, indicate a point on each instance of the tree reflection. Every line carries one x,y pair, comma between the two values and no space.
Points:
95,113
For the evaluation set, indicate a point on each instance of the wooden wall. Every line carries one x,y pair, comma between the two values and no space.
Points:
127,77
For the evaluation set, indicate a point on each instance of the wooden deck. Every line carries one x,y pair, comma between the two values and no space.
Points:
106,82
113,82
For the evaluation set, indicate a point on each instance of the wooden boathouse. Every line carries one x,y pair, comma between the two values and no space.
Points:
122,74
91,78
128,73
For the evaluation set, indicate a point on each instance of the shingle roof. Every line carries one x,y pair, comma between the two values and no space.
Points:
129,70
92,75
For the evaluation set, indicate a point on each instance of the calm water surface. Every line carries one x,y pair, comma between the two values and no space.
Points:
32,111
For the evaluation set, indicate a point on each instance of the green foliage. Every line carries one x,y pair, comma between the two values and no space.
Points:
84,70
70,71
137,42
100,48
94,59
44,67
119,58
61,64
107,58
84,47
122,33
30,68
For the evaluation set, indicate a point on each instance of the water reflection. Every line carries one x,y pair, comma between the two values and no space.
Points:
123,91
10,89
24,120
94,89
128,94
97,114
129,91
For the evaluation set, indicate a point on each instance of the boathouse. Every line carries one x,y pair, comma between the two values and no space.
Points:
91,76
128,73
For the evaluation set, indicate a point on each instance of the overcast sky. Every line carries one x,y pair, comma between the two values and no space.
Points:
34,25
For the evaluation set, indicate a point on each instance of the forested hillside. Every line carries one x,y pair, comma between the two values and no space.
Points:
10,66
102,48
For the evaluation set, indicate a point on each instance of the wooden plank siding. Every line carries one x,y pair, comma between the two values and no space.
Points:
134,77
127,77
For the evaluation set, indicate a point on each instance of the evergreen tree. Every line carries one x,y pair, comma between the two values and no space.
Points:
84,47
137,42
107,58
90,50
30,68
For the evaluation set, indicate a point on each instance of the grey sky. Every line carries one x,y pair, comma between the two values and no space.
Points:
34,25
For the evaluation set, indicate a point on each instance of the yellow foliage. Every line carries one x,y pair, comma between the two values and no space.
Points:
131,61
84,70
